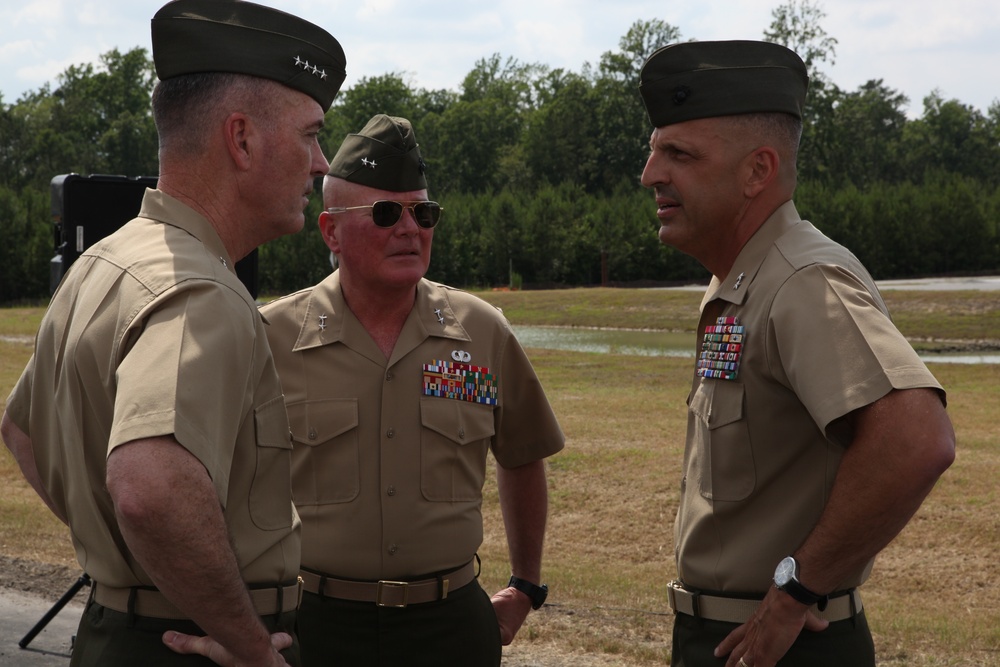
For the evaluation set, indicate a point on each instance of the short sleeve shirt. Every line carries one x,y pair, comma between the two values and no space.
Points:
151,333
388,468
763,447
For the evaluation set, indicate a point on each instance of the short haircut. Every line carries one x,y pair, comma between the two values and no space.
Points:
782,131
186,108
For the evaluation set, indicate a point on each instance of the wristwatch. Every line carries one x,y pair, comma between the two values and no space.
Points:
536,593
786,578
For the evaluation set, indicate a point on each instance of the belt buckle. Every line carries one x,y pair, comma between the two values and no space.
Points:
672,587
383,583
676,592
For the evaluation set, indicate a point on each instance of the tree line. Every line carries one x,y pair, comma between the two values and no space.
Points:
538,168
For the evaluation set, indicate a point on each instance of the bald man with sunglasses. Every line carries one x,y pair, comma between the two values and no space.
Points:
396,388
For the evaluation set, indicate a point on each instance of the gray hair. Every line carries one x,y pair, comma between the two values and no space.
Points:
186,108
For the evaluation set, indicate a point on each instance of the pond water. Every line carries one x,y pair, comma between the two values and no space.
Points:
665,344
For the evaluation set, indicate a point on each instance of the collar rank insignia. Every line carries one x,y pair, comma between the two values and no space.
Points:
462,382
721,349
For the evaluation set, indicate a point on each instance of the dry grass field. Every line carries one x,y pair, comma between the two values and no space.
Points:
932,599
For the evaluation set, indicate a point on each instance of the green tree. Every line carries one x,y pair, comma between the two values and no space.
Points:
623,127
103,117
354,107
562,142
953,137
867,129
473,140
797,25
26,245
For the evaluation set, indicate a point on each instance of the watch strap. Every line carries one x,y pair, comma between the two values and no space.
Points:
533,591
804,595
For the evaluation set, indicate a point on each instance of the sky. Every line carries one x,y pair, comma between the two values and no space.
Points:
915,46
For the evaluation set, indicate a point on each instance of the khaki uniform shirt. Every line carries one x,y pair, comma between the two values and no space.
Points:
763,449
387,477
151,333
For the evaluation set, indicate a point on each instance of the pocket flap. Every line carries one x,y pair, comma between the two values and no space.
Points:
316,422
727,404
272,424
459,421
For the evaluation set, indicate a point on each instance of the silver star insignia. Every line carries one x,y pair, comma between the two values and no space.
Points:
323,75
437,311
298,61
739,281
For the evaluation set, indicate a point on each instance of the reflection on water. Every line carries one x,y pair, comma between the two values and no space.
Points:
663,344
968,358
608,341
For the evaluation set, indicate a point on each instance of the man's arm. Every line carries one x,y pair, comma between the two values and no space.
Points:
524,503
19,444
902,444
171,519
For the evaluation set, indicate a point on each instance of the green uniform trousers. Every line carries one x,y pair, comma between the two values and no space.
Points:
108,638
458,631
843,643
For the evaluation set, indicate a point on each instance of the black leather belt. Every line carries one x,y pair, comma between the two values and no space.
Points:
152,604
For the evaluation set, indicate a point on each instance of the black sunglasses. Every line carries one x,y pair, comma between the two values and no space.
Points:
387,213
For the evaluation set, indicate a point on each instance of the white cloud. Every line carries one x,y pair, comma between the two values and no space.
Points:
914,46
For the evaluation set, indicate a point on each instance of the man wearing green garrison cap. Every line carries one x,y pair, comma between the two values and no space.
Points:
150,417
814,430
396,389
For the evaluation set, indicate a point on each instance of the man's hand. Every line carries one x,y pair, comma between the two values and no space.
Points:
213,650
511,607
770,632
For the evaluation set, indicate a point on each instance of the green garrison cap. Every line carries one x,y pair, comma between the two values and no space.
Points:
197,36
384,155
704,79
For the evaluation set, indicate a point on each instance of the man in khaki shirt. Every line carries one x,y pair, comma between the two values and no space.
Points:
150,417
814,430
396,389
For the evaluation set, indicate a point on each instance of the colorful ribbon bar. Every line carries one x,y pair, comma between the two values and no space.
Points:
463,382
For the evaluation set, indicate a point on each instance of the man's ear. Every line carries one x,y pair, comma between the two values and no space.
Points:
328,230
764,164
238,129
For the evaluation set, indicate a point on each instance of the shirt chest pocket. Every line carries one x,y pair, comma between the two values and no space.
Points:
325,463
270,480
453,444
727,471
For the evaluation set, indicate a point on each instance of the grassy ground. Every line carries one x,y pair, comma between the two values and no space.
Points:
933,595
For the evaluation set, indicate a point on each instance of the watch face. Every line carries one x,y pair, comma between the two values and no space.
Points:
785,571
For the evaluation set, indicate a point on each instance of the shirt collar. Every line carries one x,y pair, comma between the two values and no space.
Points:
748,262
161,207
432,315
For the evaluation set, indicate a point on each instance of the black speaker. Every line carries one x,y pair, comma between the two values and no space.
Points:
85,209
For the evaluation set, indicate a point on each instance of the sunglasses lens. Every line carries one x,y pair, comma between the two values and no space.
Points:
386,213
427,213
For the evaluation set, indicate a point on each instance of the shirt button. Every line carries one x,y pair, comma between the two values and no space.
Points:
391,491
390,433
461,433
388,376
312,434
393,549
